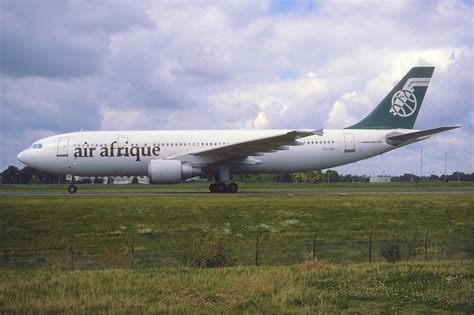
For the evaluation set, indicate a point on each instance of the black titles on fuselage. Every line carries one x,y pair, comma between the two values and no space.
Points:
116,151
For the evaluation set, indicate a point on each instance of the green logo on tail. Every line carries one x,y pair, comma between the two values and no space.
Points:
400,107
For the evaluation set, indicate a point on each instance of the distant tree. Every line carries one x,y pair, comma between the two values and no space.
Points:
34,180
283,178
300,177
333,176
85,180
347,178
45,177
26,174
135,180
10,175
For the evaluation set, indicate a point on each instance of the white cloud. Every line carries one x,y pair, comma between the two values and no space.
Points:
261,122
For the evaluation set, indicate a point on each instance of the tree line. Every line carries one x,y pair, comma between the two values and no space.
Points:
333,176
29,175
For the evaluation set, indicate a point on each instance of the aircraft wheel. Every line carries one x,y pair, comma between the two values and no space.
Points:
72,189
221,187
232,188
213,188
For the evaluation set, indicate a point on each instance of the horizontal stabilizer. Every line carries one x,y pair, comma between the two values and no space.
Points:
419,134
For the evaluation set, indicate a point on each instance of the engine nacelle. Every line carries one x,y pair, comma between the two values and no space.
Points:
170,171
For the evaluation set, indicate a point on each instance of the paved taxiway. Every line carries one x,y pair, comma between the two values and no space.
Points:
259,192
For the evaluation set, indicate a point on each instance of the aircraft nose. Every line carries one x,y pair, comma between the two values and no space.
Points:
22,157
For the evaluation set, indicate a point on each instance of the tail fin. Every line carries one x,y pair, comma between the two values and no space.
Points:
400,107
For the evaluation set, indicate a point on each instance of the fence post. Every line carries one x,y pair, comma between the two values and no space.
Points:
370,246
5,254
71,253
133,261
256,251
314,247
426,244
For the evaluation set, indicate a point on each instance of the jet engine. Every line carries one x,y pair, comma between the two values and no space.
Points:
170,171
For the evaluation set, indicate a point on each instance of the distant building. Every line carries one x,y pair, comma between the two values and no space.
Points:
380,179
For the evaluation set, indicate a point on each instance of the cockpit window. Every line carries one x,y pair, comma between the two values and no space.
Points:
37,146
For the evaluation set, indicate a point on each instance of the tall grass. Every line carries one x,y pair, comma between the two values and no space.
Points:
312,287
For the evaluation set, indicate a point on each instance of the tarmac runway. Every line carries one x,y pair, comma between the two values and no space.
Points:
245,192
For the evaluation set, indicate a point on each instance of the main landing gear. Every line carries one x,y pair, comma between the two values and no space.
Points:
222,187
222,184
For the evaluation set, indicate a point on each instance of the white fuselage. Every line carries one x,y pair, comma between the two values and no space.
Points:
97,153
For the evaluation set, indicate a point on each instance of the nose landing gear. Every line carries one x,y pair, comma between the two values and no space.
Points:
72,189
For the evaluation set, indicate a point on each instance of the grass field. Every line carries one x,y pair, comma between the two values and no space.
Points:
338,281
319,287
243,186
94,223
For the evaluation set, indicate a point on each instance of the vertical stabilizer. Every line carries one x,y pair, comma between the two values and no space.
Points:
400,107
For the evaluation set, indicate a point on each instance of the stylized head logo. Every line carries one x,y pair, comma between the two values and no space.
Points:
404,102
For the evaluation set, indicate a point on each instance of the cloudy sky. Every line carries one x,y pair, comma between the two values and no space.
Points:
131,65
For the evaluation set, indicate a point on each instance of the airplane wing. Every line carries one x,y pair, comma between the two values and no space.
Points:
251,147
398,138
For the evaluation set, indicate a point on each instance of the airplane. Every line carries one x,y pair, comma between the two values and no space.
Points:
173,156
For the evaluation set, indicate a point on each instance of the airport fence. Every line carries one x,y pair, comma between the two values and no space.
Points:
218,252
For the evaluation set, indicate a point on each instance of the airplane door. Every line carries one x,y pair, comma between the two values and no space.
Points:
62,146
349,142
